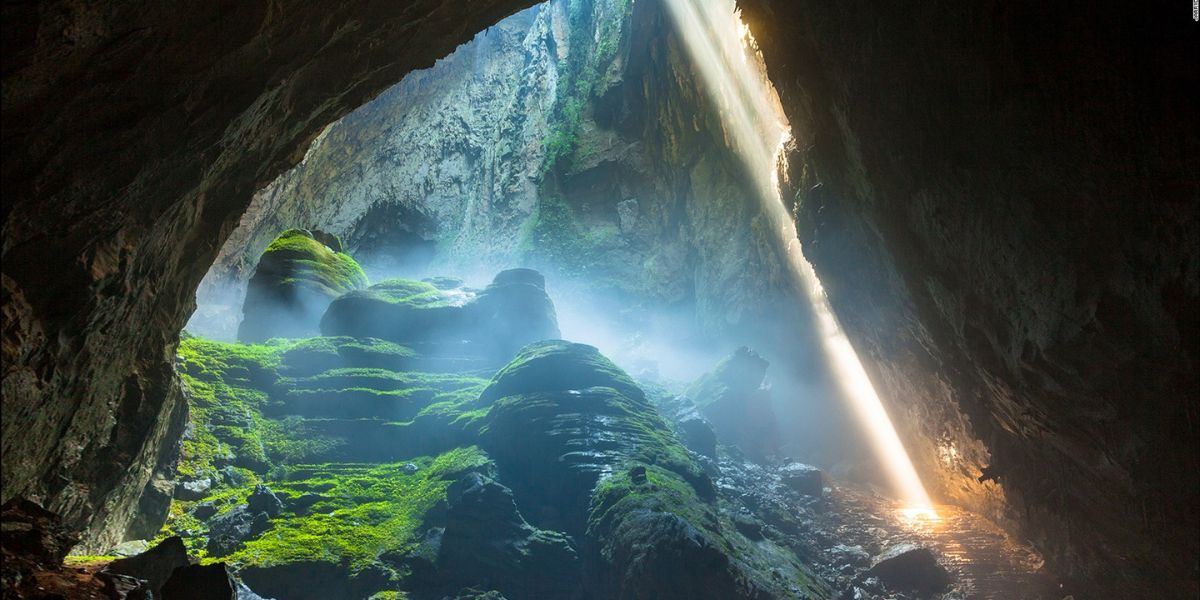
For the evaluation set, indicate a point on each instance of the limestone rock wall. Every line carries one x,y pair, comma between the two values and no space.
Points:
1000,199
135,134
449,155
614,174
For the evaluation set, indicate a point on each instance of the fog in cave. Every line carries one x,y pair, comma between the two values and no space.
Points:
612,299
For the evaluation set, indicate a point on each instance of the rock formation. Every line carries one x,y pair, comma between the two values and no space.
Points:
733,399
999,196
495,322
297,276
478,162
1009,240
217,104
355,465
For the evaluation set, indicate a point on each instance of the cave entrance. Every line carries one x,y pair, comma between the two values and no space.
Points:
575,138
362,395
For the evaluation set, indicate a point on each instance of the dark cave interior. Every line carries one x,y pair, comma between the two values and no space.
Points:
283,287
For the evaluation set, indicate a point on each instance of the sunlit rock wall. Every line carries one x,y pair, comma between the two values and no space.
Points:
1001,199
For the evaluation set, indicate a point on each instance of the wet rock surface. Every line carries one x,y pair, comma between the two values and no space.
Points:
908,567
848,531
734,401
487,540
297,276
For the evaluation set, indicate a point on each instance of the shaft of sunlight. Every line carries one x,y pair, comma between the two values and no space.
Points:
726,57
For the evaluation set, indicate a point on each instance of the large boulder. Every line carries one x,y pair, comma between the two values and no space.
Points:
398,310
201,582
511,312
155,565
297,277
586,453
909,567
487,541
228,532
734,401
34,533
495,322
558,365
562,416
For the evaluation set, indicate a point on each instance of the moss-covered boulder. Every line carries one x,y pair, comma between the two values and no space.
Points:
497,321
556,365
734,401
297,277
343,467
586,453
399,310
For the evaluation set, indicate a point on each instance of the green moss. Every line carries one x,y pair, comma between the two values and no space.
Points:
233,390
389,595
295,257
407,291
559,365
285,447
317,355
384,379
82,560
369,510
581,79
226,385
664,491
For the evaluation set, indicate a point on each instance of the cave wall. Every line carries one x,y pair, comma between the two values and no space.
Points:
451,151
135,134
572,137
1006,223
1001,200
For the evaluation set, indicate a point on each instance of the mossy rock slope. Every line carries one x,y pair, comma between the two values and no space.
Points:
297,276
494,323
587,454
360,467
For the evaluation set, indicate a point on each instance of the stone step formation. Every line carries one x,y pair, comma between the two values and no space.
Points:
438,441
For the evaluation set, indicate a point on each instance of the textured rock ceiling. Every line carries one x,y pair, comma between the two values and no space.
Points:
1006,221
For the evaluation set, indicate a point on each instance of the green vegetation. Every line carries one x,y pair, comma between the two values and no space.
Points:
361,449
406,291
225,384
297,259
583,78
320,354
552,235
82,560
559,365
664,491
365,510
244,429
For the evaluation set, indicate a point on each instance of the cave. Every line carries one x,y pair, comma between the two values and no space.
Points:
593,299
